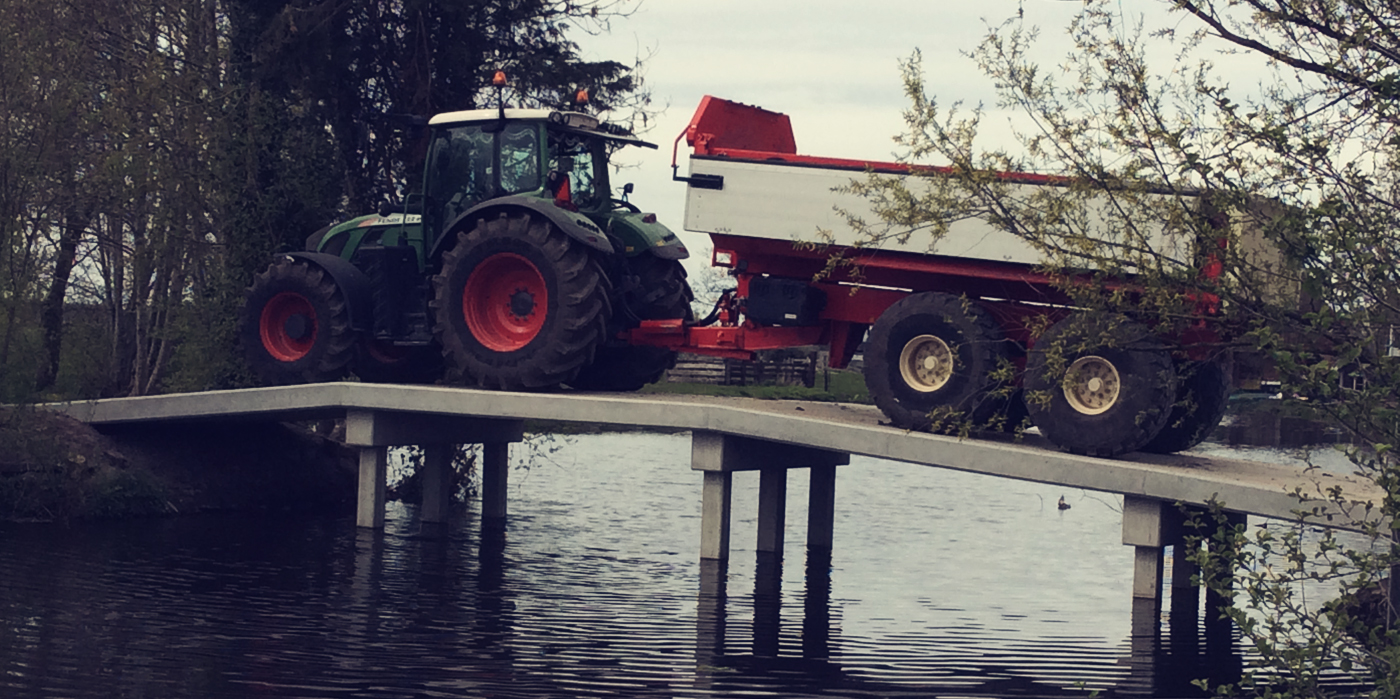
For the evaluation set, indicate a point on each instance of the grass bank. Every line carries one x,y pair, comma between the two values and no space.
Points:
53,467
836,385
839,387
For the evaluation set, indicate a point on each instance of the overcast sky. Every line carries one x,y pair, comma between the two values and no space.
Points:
830,65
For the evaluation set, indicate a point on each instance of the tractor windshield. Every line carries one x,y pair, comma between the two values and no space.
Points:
574,161
471,163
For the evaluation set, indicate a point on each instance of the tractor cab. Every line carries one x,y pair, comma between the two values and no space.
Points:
480,158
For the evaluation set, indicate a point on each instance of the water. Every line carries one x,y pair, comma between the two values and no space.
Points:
940,583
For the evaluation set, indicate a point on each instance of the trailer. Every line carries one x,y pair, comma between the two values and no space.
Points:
948,329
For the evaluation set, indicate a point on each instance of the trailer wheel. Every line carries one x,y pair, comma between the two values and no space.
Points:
384,362
295,327
933,351
661,293
1202,394
1099,385
518,305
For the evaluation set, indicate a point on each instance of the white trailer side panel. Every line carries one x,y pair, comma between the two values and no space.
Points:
793,202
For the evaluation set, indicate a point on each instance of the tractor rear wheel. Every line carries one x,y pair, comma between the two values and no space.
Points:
932,357
295,326
661,293
518,304
1099,385
1202,394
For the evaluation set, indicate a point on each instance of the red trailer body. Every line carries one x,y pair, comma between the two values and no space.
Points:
757,199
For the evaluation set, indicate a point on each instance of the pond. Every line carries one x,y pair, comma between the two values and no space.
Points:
938,583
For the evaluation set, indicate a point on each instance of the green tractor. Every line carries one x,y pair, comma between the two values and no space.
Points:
514,269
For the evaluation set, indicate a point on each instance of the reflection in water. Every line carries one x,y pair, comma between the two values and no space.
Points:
938,583
1269,429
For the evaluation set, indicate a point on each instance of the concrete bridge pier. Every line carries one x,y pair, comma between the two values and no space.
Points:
374,431
717,456
1149,526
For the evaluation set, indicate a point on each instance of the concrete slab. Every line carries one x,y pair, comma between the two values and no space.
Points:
1243,486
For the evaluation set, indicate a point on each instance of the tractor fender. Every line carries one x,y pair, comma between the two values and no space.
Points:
352,282
670,249
574,224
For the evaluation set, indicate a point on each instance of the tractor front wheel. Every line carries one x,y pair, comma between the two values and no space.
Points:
295,326
1099,385
518,304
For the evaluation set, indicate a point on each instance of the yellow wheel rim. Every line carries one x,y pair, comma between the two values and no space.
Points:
926,363
1092,385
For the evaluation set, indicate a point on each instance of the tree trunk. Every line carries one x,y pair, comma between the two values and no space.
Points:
75,223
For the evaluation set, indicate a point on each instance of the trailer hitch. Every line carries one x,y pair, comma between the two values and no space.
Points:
699,181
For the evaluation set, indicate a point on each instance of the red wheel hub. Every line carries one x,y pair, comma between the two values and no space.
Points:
288,326
385,352
505,302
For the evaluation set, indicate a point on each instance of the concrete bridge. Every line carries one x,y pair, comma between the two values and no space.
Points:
771,437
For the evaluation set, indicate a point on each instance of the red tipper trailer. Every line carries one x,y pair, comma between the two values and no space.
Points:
942,324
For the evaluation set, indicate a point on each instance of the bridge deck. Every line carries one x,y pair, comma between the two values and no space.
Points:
1243,486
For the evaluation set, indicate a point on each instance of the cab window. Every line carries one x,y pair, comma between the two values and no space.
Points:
572,160
463,166
460,171
520,161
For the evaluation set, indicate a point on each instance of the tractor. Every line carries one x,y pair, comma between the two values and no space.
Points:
514,268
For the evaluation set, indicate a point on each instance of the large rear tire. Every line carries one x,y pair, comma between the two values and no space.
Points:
935,353
519,305
1202,395
1099,385
295,327
661,292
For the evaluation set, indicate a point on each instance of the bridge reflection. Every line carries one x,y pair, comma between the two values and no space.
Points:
1168,654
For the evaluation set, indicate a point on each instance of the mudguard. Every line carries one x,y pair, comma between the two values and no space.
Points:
638,235
574,224
352,282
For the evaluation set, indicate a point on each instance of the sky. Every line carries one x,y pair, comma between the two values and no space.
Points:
831,65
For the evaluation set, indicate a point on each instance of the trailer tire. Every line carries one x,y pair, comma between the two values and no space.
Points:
518,304
930,351
383,362
1099,385
295,326
1202,395
661,293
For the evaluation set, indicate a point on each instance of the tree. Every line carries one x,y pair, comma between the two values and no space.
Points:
154,154
1280,202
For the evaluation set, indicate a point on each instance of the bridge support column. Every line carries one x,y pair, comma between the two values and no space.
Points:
772,510
369,505
373,431
437,483
1149,526
821,508
495,469
718,455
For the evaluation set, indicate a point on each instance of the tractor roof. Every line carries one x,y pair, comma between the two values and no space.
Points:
570,121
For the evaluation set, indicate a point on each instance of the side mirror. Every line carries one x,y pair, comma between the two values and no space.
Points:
412,206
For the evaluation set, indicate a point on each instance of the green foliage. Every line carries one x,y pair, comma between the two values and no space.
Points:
118,494
154,154
406,474
839,386
1177,185
52,469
